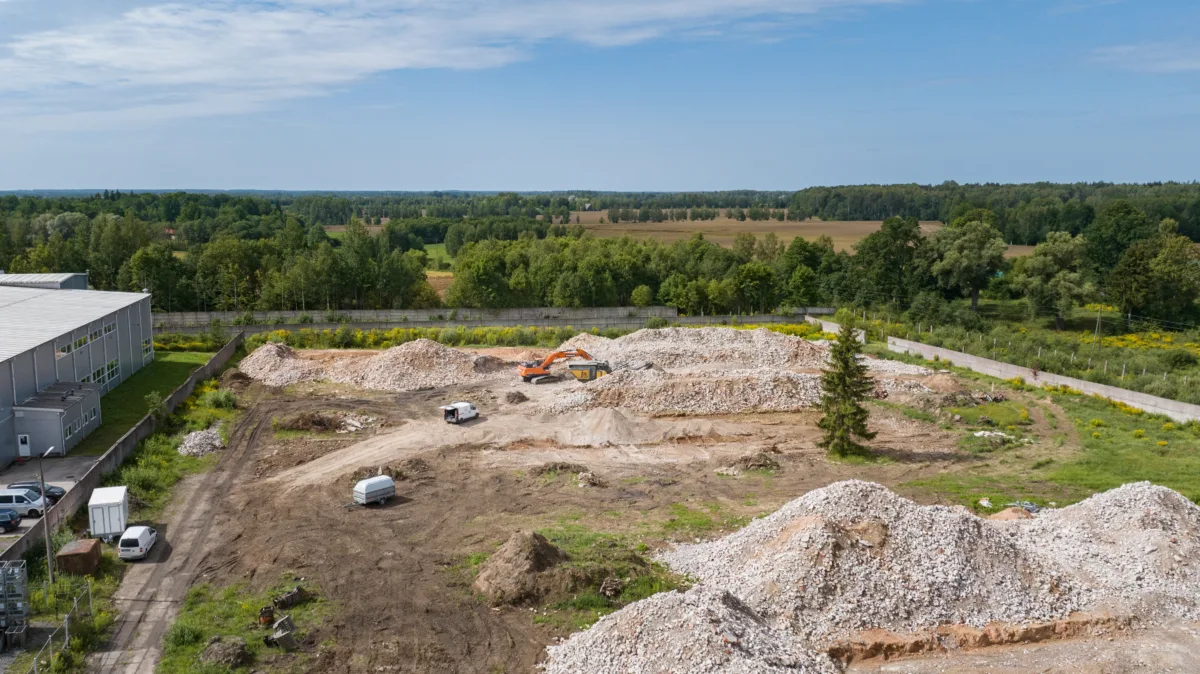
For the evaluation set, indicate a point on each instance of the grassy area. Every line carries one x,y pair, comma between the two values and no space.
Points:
438,257
125,405
233,612
594,556
156,465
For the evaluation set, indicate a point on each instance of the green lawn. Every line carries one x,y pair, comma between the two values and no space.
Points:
125,405
437,253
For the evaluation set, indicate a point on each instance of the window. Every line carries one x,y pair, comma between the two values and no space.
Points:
93,413
20,499
6,499
82,341
87,379
94,336
111,327
147,347
114,369
69,431
98,376
64,351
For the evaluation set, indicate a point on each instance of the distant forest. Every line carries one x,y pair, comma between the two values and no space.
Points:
271,251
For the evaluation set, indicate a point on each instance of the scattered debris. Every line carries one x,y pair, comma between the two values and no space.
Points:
985,502
589,479
558,467
756,461
1009,514
200,443
515,397
611,587
292,597
353,423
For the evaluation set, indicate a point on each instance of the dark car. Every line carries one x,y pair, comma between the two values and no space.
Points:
53,494
9,520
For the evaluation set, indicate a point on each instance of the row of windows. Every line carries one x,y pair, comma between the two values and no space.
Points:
83,341
147,347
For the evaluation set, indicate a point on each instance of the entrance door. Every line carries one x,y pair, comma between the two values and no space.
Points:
23,445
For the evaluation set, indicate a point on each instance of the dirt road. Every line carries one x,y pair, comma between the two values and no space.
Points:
153,590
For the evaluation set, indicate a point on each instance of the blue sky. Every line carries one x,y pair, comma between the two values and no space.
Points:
594,94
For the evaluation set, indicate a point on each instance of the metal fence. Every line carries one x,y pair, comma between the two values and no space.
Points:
78,613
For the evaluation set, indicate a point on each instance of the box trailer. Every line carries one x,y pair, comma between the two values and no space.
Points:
108,512
376,489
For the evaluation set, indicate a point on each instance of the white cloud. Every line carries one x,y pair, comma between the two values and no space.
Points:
1152,57
214,57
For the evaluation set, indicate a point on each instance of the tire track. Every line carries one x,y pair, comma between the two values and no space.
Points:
152,591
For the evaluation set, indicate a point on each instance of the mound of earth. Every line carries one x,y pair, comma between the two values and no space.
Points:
228,652
514,574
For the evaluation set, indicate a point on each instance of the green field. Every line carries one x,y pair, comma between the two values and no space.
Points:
125,405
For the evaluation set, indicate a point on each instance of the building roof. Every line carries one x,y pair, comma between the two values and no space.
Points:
59,397
30,317
36,279
107,495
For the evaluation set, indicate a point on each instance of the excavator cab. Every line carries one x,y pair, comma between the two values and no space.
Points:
589,370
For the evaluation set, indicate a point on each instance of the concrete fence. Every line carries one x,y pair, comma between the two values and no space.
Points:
827,326
81,493
624,321
519,316
1179,411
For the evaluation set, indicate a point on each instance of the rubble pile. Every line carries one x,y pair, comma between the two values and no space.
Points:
353,423
199,443
414,365
278,365
700,631
854,556
686,347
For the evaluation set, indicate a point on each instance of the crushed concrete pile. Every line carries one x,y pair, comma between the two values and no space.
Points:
700,631
279,365
1138,544
854,555
894,367
419,364
696,392
686,347
411,366
200,443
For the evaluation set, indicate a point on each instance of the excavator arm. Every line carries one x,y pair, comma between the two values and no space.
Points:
531,369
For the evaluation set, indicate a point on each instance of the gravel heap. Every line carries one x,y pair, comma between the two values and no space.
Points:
278,365
1137,544
700,631
419,364
894,367
854,555
685,347
199,443
422,363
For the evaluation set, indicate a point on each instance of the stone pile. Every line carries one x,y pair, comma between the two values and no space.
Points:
199,443
854,556
687,347
278,365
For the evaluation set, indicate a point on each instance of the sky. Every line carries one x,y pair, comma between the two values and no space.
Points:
639,95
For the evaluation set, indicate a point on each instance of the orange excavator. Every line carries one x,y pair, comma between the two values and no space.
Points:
536,372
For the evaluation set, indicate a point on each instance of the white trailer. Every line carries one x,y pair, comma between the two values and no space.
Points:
108,512
376,489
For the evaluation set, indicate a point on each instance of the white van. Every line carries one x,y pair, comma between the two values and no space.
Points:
456,413
376,489
136,542
27,503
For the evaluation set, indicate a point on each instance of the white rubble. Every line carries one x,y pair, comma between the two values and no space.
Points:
199,443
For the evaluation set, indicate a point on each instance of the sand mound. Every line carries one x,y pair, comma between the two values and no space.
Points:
698,632
512,575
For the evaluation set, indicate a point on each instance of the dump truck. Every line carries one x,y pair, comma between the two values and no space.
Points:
538,372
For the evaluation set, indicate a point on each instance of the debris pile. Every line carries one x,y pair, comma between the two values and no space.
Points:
415,365
700,631
353,423
855,555
761,461
278,365
515,397
696,392
200,443
685,347
412,366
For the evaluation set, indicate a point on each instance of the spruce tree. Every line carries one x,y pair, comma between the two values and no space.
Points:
846,385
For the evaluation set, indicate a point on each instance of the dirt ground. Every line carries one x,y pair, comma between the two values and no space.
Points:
397,574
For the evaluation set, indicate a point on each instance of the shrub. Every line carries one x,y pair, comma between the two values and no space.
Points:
1162,443
1139,433
156,406
642,296
220,400
183,634
304,318
656,323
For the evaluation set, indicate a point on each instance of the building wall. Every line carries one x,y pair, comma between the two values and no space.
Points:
41,367
44,428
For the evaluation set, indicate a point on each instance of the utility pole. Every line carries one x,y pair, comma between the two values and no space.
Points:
1098,310
46,517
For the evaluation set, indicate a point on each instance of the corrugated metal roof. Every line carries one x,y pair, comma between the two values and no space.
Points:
29,279
30,317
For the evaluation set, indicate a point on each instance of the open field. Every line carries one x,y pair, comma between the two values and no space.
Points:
722,431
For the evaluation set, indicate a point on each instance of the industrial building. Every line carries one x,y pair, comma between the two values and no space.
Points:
54,281
60,351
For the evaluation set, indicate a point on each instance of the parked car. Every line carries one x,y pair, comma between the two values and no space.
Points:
456,413
10,520
27,503
53,494
136,542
